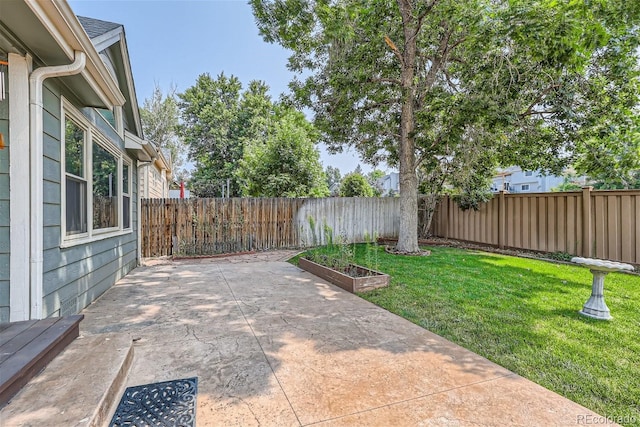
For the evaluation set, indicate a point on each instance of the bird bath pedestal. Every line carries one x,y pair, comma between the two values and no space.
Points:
595,307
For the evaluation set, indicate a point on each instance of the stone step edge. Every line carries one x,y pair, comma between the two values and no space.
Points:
109,402
52,395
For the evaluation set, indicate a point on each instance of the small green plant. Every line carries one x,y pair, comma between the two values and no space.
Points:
344,252
336,253
371,250
312,226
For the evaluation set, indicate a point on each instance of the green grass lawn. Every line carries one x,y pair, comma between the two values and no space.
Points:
523,315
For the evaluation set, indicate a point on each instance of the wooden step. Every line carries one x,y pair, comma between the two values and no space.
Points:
27,347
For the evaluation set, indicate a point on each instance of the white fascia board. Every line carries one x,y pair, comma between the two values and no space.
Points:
130,144
64,27
162,161
132,141
130,84
107,39
145,152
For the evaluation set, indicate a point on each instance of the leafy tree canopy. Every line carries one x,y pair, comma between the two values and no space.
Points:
355,185
210,112
159,116
334,178
243,143
286,163
373,178
438,85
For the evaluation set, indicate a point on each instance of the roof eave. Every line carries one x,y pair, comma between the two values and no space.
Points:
130,83
65,28
142,149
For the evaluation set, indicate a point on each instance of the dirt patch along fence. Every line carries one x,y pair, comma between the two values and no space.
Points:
212,226
596,224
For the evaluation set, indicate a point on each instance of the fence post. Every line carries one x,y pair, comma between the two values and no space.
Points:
587,238
446,218
174,245
502,219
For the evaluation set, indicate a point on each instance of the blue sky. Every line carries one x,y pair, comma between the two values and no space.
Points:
172,42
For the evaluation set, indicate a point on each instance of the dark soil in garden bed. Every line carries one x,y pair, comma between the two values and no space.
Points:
350,270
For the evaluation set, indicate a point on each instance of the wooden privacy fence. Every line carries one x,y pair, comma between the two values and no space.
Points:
597,224
211,226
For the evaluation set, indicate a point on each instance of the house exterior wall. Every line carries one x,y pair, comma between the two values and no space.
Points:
175,194
4,208
515,178
390,184
154,183
75,276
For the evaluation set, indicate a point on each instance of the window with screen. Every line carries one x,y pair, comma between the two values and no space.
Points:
126,197
75,178
105,188
96,181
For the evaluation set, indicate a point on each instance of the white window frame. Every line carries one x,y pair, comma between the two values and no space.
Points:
82,123
528,173
126,162
109,148
92,134
523,187
97,111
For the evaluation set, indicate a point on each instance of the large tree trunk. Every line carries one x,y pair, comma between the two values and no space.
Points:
408,235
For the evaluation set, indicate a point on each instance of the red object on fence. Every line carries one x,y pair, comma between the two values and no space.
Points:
182,189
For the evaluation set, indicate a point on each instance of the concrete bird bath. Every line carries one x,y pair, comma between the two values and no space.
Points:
595,307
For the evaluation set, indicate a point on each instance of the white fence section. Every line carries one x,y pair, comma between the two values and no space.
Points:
356,219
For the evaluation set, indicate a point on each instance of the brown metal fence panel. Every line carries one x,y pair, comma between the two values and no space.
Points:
601,224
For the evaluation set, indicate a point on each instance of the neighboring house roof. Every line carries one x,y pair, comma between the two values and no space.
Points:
167,155
162,160
95,27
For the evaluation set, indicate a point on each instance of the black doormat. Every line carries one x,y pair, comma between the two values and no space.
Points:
165,404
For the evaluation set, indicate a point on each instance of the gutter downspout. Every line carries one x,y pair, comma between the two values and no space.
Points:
36,126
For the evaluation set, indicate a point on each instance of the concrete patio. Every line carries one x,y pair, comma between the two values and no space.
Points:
273,345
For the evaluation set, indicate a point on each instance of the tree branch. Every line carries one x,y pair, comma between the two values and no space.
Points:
529,111
425,153
385,80
394,49
533,113
451,83
456,43
438,60
457,59
374,105
424,14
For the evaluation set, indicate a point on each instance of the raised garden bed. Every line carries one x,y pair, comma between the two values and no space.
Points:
354,278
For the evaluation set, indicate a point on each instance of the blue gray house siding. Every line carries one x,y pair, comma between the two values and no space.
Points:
73,277
4,208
